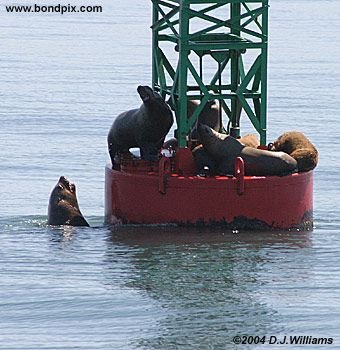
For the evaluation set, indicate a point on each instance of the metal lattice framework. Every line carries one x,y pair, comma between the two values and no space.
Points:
212,50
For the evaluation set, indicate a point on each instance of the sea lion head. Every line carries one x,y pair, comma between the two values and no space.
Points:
64,190
208,116
212,139
146,93
283,143
221,147
209,135
154,101
63,208
291,141
217,144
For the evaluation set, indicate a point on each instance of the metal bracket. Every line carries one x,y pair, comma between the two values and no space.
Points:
163,173
239,174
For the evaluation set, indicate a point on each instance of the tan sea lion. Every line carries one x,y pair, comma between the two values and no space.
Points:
250,140
298,146
144,127
63,208
224,149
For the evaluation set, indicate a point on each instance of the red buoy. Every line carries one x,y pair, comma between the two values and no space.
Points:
168,192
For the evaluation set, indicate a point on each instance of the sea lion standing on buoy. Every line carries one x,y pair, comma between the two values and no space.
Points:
144,127
224,149
63,208
297,145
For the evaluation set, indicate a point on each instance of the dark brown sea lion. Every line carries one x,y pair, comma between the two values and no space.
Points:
298,146
144,127
205,164
208,116
224,149
63,208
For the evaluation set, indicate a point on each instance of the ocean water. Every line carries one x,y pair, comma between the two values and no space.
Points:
63,79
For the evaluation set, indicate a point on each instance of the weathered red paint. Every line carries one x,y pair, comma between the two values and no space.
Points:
157,196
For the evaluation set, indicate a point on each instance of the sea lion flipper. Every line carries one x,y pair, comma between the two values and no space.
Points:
149,151
204,162
225,169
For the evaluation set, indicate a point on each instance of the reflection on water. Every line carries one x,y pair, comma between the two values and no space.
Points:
163,287
209,284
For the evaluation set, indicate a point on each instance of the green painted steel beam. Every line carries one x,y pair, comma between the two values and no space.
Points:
223,58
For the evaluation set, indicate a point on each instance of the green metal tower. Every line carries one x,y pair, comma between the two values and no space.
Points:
207,50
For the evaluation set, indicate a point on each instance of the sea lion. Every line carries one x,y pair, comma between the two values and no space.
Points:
224,149
250,140
144,127
298,146
208,116
63,208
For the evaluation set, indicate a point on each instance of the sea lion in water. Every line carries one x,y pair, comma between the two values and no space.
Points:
224,149
144,127
63,208
298,146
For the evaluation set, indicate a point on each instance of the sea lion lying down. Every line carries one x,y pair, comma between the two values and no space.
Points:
297,145
63,208
224,149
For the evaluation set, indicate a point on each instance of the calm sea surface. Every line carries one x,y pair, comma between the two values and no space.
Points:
62,81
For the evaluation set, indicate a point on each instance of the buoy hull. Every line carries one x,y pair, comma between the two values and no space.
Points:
243,202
